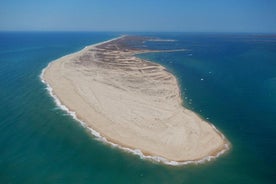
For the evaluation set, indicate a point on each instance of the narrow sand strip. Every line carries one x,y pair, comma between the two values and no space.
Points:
132,102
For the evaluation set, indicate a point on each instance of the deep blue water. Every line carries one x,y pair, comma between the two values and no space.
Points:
229,79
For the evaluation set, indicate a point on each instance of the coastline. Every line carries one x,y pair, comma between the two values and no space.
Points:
100,135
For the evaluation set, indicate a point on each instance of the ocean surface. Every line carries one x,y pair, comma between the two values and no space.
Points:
228,79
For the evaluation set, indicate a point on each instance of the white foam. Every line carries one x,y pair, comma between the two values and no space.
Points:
137,152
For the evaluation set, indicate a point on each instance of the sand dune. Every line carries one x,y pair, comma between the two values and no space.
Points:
131,102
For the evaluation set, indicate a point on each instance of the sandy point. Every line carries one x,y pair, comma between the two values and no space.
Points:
132,103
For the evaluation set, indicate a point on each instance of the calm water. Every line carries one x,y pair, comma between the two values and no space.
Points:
229,79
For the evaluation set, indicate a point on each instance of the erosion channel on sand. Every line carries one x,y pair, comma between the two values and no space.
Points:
131,102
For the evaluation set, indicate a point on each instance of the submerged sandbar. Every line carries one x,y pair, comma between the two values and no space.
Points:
132,102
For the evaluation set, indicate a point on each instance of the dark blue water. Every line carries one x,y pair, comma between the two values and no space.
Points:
229,79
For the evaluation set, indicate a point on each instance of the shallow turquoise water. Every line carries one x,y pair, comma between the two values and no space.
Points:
42,144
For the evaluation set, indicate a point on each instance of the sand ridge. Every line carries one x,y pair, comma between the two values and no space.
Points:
132,102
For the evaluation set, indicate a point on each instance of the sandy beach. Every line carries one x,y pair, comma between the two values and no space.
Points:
132,102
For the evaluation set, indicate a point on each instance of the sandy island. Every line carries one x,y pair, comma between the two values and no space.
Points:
132,102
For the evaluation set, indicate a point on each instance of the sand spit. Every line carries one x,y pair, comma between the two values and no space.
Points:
132,103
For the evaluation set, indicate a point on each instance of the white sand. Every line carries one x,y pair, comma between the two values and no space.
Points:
132,102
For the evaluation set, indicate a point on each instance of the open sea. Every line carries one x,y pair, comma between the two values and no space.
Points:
228,79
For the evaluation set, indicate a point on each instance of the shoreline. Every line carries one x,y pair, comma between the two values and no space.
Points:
106,139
